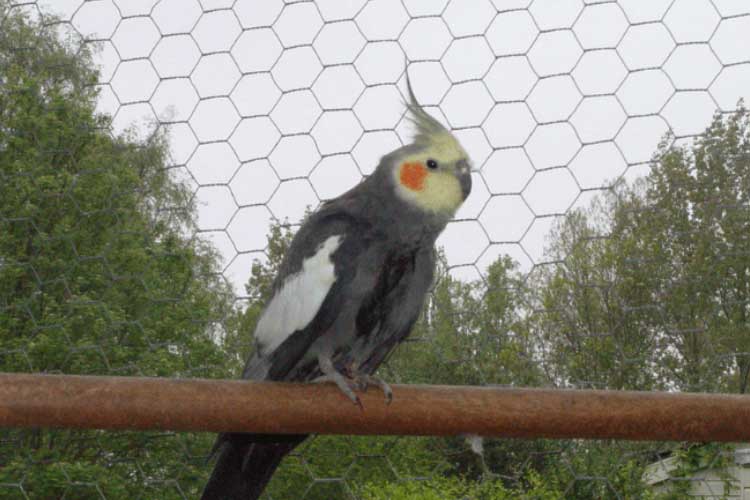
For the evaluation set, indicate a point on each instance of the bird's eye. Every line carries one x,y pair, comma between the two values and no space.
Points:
432,164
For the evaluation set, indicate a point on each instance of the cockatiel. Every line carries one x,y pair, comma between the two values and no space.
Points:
350,288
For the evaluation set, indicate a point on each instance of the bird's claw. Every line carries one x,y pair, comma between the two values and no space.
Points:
364,381
346,385
353,380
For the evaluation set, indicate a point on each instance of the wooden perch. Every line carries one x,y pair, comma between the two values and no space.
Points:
93,402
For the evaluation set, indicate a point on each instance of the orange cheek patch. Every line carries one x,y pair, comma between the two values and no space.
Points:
412,175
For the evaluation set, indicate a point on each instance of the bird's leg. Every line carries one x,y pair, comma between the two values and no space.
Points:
330,374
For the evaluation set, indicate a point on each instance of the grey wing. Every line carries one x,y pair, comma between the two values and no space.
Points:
312,291
406,304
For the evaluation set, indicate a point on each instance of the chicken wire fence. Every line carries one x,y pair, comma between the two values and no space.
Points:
592,252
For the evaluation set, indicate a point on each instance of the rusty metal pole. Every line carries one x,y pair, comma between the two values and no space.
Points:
221,405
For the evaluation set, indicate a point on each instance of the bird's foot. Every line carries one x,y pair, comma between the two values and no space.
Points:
364,380
347,385
353,380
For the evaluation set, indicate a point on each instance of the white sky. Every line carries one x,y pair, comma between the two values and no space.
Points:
272,107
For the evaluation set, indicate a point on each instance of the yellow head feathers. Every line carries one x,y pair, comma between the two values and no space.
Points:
435,175
430,133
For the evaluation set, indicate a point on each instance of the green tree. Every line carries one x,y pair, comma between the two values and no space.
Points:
652,291
589,321
98,273
696,224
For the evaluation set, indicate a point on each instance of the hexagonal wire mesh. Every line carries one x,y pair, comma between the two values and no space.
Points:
270,108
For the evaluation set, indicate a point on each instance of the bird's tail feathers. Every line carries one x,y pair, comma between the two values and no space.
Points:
244,466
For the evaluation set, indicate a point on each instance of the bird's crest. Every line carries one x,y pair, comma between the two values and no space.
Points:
430,133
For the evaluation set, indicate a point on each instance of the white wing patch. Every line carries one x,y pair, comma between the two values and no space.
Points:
298,300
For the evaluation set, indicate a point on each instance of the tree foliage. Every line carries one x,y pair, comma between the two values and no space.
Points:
653,289
97,273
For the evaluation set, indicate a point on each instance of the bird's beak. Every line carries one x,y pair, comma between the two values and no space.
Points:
463,172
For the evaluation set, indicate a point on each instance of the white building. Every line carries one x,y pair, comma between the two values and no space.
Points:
712,482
